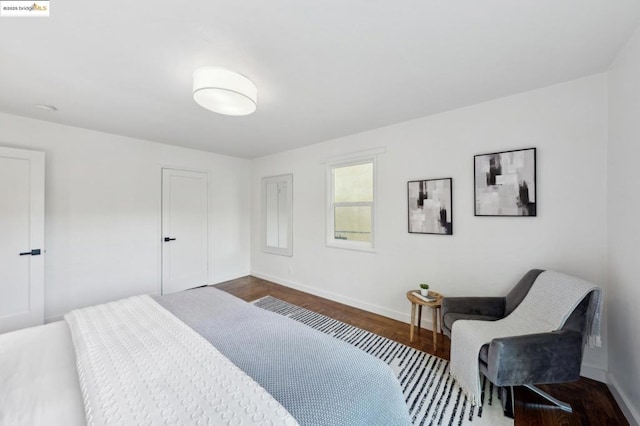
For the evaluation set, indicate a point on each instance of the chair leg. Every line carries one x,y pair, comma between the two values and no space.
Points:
507,400
562,405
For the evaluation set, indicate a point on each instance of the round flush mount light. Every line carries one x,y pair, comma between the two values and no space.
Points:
225,92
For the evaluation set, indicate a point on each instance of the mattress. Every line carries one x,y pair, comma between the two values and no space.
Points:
38,378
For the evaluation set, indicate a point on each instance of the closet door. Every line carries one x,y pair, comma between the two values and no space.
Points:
21,238
185,213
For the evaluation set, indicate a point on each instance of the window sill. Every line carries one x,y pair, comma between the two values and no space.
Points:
350,245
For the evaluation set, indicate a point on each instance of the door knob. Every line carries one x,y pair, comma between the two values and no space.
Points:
168,239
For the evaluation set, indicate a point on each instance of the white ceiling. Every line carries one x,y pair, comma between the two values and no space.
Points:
323,69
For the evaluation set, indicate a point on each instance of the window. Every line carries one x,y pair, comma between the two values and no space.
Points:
350,216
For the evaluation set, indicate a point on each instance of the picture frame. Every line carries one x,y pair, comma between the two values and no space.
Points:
505,183
430,206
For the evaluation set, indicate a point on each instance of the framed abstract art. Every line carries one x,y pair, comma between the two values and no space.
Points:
430,206
505,183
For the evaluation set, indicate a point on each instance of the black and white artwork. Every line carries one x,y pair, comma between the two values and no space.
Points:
505,183
430,206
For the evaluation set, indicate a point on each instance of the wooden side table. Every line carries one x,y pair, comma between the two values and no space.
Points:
435,306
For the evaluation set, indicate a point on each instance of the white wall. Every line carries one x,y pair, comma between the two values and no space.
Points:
103,211
486,255
623,191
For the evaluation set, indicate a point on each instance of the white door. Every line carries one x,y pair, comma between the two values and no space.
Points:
21,238
185,215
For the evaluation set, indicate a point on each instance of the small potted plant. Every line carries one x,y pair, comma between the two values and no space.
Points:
424,289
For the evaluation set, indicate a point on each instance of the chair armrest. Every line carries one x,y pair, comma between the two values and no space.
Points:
487,306
553,357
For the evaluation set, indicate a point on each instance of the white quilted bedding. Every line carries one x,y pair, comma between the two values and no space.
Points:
139,364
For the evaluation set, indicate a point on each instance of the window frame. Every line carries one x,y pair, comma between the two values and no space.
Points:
331,241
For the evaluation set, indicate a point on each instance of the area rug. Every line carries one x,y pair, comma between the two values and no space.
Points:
432,396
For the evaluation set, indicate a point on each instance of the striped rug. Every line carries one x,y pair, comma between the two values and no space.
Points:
432,396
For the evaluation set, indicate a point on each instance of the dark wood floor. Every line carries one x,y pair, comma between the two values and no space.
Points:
592,402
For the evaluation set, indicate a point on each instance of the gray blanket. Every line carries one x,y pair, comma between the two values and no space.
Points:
319,379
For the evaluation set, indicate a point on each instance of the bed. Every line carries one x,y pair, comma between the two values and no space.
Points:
302,375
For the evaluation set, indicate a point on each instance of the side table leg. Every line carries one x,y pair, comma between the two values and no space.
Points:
413,313
441,321
434,328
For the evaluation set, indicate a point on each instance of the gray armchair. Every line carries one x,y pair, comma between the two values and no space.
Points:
527,360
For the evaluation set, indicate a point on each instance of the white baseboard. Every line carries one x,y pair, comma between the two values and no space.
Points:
389,313
631,412
594,373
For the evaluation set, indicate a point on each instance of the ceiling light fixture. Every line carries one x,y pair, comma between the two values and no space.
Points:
225,92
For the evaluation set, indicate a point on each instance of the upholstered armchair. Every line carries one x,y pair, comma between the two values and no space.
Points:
527,360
